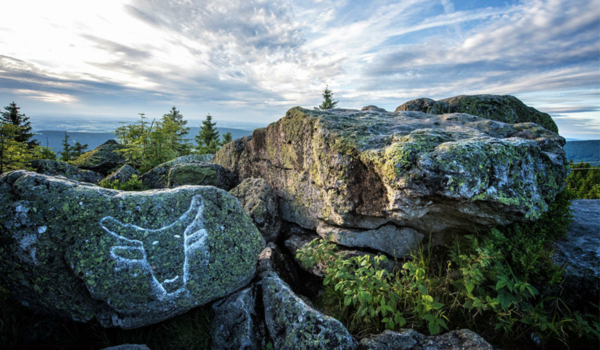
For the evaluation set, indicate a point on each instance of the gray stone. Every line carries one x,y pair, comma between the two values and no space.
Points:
294,325
188,170
273,259
580,251
390,239
437,174
373,108
128,259
507,109
123,174
260,202
128,347
104,159
236,324
56,168
408,339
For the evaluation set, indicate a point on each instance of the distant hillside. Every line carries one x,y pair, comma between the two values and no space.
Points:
583,151
53,138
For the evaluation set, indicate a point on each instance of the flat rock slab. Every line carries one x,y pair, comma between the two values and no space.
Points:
433,173
580,250
128,259
408,339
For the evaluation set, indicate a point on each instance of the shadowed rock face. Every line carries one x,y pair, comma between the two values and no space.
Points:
123,174
408,339
433,173
507,109
104,159
128,259
56,168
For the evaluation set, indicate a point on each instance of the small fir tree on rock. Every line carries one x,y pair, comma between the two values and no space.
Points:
227,138
328,101
67,152
12,116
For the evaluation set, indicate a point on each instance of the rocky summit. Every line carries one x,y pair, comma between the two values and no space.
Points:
507,109
128,259
430,173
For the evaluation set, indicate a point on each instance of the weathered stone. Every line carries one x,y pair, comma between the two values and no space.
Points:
294,325
237,324
188,170
408,339
128,347
507,109
56,168
260,202
272,259
434,173
580,251
391,239
204,157
373,108
104,159
123,174
128,259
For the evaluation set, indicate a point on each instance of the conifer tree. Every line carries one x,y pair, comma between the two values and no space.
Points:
173,123
78,149
208,137
227,138
67,152
328,102
12,116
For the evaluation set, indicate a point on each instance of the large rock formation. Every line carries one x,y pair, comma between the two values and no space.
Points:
293,324
56,168
507,109
104,159
188,170
432,173
260,202
128,259
409,339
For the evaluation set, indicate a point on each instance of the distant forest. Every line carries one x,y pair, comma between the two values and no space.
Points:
54,138
583,151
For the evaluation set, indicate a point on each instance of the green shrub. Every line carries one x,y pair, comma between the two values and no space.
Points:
584,184
133,184
488,283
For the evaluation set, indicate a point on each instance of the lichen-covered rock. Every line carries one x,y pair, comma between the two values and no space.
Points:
294,325
188,170
580,251
236,324
408,339
507,109
123,174
273,259
104,159
128,259
128,347
433,173
56,168
390,239
260,202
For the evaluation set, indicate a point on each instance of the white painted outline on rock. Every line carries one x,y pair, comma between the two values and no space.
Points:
194,238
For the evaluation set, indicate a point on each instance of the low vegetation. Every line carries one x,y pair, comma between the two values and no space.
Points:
133,184
584,181
500,284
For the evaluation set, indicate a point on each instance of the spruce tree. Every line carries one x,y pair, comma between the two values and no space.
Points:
67,151
227,138
79,149
328,102
12,116
208,137
173,122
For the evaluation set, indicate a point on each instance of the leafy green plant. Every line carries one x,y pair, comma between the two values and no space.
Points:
133,184
488,283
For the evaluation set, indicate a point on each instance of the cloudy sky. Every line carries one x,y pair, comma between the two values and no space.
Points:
251,60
